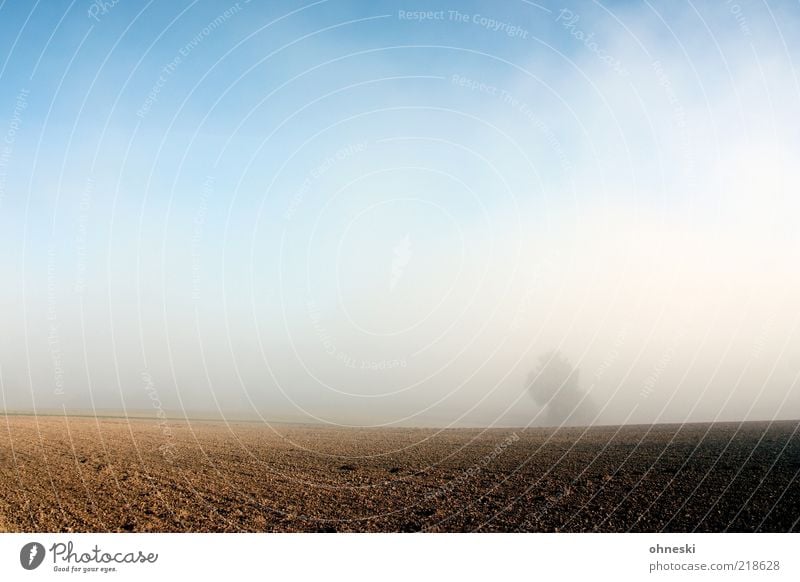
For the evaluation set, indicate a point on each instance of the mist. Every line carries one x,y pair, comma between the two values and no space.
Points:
508,233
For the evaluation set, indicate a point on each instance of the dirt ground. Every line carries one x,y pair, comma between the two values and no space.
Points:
111,474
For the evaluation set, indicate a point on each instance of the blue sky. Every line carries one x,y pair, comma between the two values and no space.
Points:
240,197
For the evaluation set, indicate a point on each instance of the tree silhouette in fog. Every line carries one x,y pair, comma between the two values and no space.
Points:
554,386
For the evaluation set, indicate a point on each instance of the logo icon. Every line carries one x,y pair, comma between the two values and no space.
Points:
31,555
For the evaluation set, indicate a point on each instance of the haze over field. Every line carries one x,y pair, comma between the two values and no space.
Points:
334,212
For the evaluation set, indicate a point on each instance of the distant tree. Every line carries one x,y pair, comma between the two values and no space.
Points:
554,386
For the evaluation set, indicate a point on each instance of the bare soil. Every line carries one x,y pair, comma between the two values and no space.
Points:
95,475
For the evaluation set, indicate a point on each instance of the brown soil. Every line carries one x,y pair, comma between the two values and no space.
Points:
86,474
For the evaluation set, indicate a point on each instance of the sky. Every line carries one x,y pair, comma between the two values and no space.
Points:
388,213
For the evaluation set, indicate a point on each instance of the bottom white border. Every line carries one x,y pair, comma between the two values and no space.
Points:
379,557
